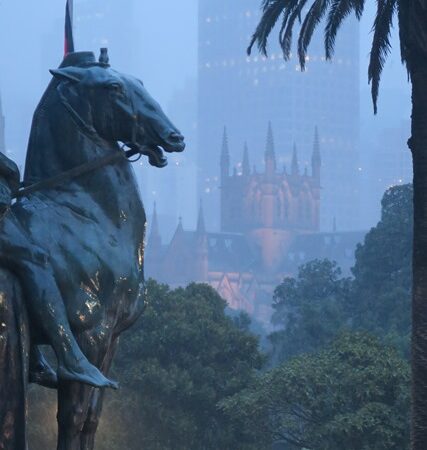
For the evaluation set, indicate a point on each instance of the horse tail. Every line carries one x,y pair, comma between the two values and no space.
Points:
14,351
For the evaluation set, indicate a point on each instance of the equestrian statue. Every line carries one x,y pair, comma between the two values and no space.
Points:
72,244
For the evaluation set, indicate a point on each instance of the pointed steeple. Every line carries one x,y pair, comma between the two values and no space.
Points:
246,168
200,260
201,229
316,159
270,155
155,240
179,228
295,164
2,130
225,156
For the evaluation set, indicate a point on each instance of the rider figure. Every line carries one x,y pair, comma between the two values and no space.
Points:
43,298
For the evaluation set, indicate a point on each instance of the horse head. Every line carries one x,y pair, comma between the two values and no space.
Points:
115,107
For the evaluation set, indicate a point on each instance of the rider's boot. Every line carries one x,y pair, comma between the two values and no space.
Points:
47,311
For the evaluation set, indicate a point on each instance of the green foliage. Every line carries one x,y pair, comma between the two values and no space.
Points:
353,395
184,357
383,271
314,307
310,309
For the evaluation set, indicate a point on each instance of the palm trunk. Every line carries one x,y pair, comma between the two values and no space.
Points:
418,145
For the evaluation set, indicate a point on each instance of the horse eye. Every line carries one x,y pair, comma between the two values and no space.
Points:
116,87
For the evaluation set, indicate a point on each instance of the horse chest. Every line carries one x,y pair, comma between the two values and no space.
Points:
97,257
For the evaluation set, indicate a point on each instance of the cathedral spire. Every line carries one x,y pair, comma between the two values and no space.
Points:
179,228
316,159
246,168
225,155
201,255
155,240
201,229
295,164
270,155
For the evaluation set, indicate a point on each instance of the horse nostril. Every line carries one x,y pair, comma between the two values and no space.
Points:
176,137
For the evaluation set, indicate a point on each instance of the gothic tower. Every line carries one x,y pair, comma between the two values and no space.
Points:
224,175
154,247
316,160
201,251
270,155
271,206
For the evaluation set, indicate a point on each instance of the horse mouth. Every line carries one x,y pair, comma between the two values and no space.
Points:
175,147
155,155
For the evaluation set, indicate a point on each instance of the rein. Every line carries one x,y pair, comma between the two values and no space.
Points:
75,172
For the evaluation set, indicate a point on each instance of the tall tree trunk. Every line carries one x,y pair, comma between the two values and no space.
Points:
414,35
418,145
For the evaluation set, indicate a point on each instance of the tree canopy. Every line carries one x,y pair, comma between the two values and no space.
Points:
309,309
353,395
181,359
316,305
184,356
381,292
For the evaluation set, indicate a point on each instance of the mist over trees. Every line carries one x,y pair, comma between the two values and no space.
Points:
193,377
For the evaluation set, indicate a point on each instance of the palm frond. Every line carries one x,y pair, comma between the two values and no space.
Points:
286,31
381,45
312,20
339,10
272,9
359,6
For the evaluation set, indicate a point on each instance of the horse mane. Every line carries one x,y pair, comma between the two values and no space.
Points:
77,59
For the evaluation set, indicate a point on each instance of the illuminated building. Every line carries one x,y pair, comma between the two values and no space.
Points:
269,227
244,92
112,24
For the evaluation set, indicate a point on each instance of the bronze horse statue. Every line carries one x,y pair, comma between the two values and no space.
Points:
93,228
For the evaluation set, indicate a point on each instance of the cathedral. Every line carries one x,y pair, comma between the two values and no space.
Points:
269,227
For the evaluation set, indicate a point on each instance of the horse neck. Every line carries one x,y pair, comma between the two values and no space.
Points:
57,144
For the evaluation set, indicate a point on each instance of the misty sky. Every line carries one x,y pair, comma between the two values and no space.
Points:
31,42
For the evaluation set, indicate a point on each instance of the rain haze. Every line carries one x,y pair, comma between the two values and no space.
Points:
158,42
269,260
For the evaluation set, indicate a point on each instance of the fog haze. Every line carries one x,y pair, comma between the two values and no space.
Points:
164,40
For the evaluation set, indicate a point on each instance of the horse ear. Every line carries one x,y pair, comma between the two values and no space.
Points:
74,74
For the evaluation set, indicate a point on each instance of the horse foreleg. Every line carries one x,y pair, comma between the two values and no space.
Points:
73,406
96,402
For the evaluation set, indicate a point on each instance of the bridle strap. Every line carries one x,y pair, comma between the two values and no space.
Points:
75,172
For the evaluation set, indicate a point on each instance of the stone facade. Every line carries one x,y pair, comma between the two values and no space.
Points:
269,227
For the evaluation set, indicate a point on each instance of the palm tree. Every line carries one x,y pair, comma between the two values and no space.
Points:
412,24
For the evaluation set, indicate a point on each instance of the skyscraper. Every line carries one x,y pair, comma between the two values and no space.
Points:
243,93
108,23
